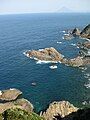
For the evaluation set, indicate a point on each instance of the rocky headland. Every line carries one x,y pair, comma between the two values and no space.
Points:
52,55
47,54
18,109
62,109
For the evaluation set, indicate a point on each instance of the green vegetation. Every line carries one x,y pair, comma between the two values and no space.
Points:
18,114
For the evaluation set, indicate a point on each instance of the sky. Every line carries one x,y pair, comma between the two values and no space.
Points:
43,6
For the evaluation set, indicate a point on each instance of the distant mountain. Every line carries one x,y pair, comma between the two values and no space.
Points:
64,10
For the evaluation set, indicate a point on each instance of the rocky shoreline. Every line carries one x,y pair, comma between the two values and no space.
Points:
22,109
76,32
52,55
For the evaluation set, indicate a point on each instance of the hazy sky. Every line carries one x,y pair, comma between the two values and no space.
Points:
35,6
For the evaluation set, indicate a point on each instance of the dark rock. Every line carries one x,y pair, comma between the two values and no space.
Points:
76,32
86,32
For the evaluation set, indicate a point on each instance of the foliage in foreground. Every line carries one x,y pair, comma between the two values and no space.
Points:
18,114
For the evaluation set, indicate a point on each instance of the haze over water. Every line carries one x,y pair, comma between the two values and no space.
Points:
19,33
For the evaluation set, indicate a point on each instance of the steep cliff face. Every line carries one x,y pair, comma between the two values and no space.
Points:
62,109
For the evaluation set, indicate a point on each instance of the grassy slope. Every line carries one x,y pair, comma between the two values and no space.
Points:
18,114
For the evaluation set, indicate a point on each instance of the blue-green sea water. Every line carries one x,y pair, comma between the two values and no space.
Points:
36,31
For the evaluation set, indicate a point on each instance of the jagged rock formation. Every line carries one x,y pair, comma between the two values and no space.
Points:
22,109
76,32
51,54
10,94
62,109
47,54
86,32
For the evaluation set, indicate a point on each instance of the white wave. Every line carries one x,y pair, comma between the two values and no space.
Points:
77,47
84,103
59,42
0,92
66,34
87,85
12,88
73,44
86,39
63,38
87,74
83,68
26,54
53,67
40,49
35,58
63,31
45,62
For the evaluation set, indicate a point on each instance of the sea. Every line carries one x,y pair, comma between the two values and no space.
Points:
40,84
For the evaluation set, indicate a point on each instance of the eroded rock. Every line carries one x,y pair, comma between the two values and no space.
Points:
62,109
47,54
19,103
10,94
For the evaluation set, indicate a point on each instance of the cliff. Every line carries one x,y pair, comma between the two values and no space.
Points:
22,109
62,109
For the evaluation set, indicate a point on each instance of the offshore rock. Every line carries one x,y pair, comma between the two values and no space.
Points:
47,54
62,109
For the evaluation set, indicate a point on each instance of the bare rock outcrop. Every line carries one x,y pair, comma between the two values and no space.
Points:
10,94
47,54
76,32
20,103
52,55
62,108
86,32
